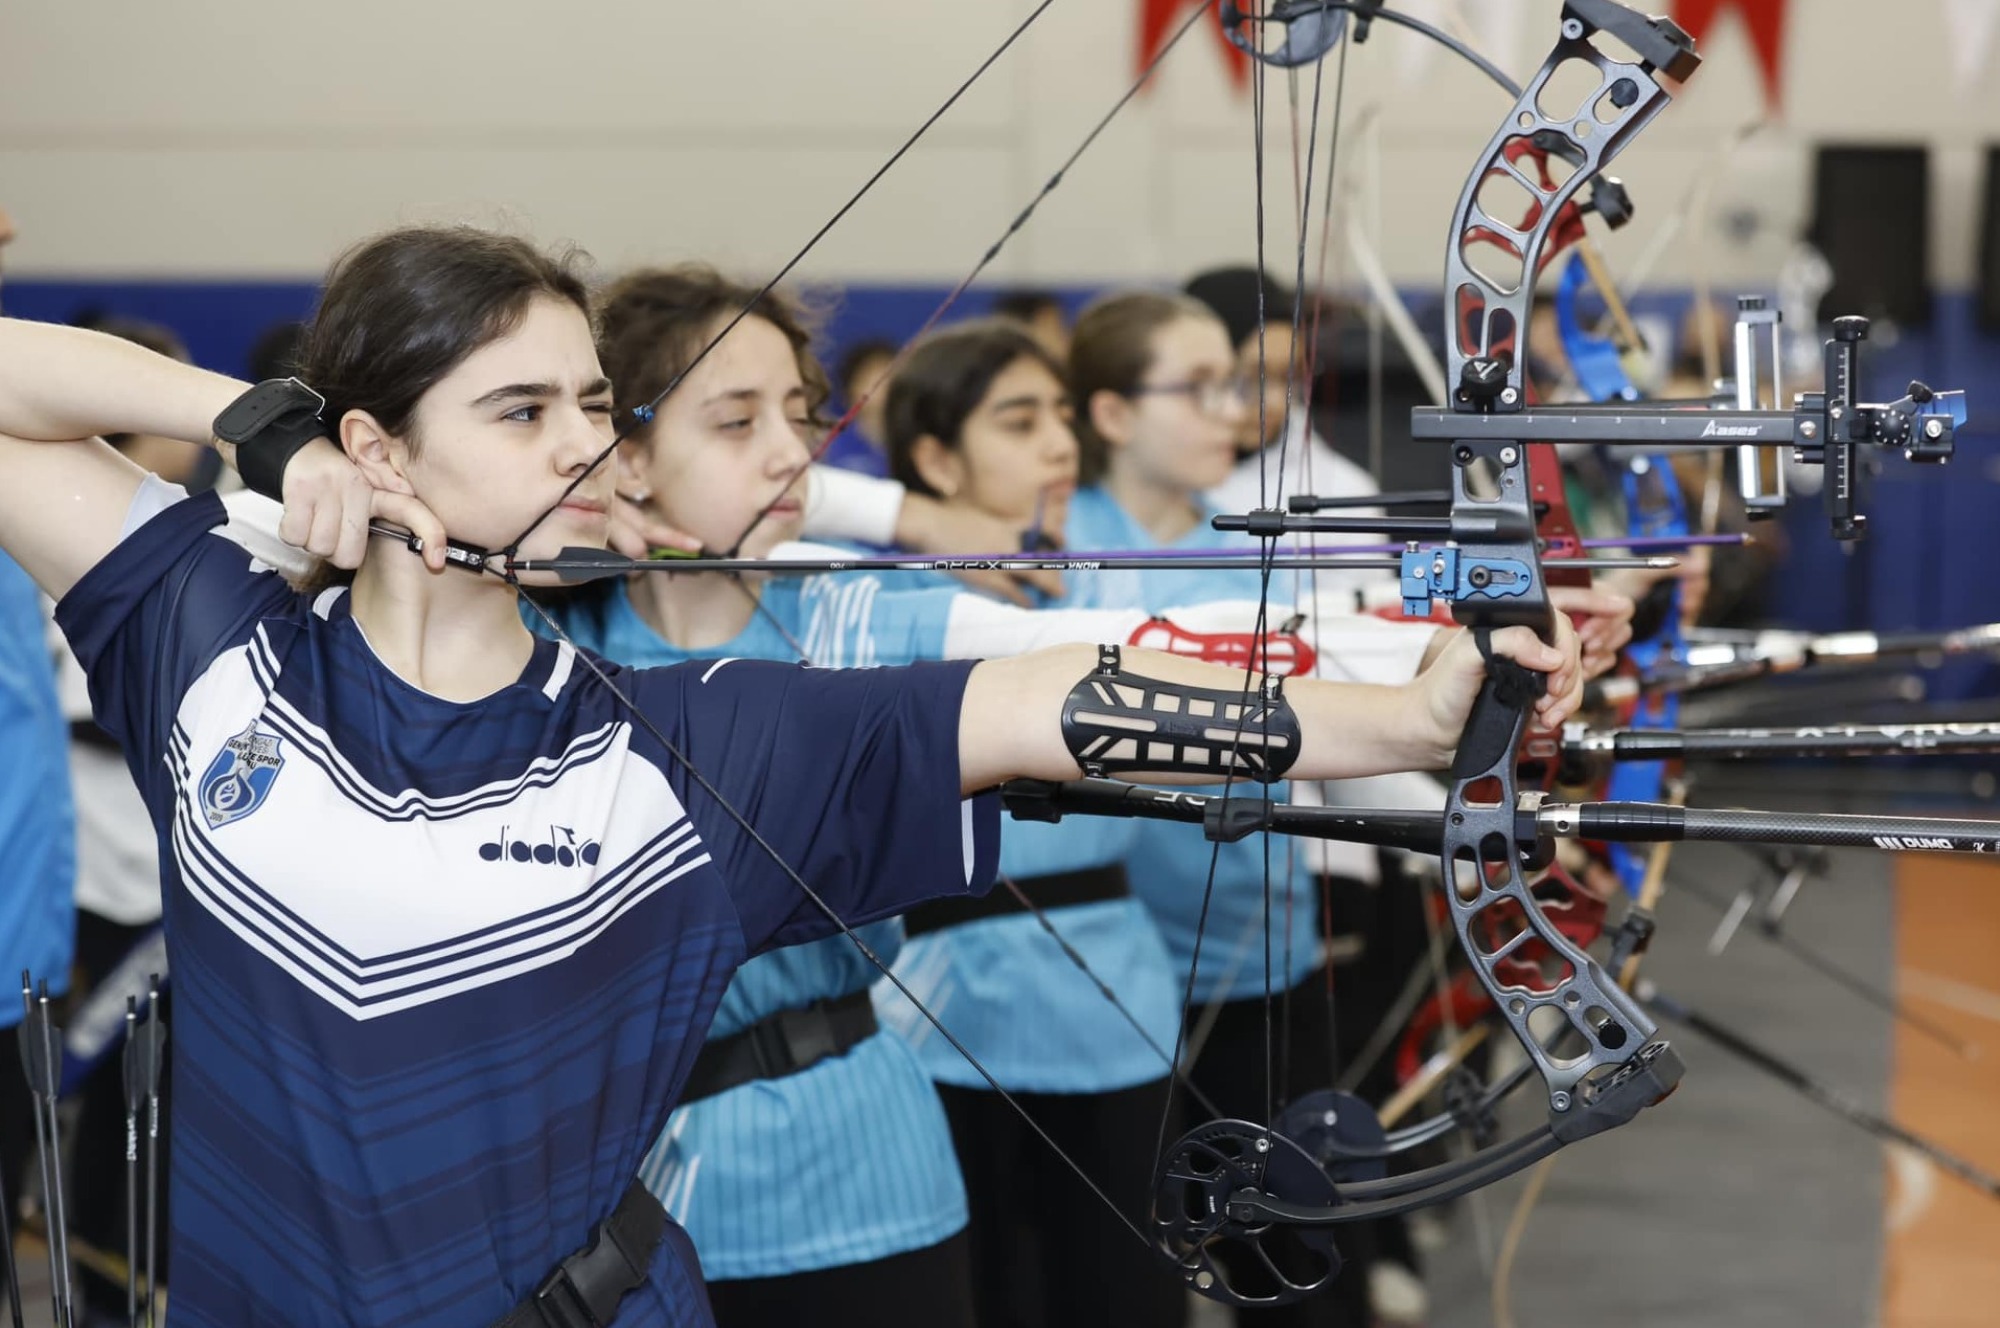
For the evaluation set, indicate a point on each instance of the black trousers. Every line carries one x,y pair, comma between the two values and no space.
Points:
17,1128
927,1288
1389,919
1046,1252
1232,1072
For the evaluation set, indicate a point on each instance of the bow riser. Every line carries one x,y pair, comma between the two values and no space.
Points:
1490,309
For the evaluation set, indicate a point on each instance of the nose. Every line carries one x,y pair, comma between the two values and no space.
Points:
787,452
580,444
1059,444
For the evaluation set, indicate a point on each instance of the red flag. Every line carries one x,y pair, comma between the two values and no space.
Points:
1764,20
1156,23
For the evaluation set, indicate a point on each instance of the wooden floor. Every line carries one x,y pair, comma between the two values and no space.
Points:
1942,1238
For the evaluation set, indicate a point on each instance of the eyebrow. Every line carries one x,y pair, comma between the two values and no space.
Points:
1015,403
539,392
750,394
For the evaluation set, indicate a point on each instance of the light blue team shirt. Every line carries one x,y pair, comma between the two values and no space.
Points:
37,819
850,1160
1005,988
1169,861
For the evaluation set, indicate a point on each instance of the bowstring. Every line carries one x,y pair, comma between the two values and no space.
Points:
1308,369
986,259
867,951
1229,778
1076,957
642,415
1299,373
1041,916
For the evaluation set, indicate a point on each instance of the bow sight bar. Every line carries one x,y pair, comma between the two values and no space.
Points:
1826,427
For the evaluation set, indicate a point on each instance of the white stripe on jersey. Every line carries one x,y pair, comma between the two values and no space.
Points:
313,742
504,879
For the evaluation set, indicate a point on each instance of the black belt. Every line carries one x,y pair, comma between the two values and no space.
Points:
583,1291
1092,885
781,1044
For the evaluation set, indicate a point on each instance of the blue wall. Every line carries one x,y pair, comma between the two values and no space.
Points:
1932,559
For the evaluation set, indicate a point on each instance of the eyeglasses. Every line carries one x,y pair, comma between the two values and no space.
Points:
1211,396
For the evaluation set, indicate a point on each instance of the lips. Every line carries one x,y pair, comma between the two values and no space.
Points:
585,506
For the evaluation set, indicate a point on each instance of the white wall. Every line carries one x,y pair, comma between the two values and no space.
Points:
226,138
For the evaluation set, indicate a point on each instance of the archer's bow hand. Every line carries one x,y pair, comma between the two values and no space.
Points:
1603,621
329,504
1444,692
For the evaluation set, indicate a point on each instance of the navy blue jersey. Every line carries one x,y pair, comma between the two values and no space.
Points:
441,968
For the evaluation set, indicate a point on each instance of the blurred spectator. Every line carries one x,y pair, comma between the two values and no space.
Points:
1042,313
863,376
275,353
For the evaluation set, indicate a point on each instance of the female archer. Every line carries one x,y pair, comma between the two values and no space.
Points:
449,907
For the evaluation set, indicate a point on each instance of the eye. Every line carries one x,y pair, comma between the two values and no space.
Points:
524,414
736,425
597,407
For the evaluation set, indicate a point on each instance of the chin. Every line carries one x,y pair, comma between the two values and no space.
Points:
772,531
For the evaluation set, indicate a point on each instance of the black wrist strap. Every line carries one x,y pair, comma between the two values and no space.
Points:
261,460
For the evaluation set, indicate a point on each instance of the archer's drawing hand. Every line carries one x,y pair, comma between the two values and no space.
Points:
329,503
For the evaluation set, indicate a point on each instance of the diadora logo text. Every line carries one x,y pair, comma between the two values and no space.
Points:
558,847
240,777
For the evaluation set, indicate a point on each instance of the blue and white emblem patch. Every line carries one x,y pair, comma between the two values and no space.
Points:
240,776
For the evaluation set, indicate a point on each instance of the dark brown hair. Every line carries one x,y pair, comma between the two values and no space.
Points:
402,310
652,323
942,382
1110,350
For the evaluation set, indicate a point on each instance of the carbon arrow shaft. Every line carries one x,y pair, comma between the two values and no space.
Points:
1422,831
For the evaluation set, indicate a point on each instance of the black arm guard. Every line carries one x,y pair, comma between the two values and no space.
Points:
1116,723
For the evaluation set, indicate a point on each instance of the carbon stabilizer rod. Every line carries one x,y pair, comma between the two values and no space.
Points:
1534,822
1771,744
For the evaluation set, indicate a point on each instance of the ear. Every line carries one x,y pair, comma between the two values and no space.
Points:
1111,416
940,467
381,458
630,466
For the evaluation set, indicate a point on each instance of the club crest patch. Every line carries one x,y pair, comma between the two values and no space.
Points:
240,776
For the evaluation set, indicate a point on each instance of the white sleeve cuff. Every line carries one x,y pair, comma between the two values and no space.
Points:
844,505
980,628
